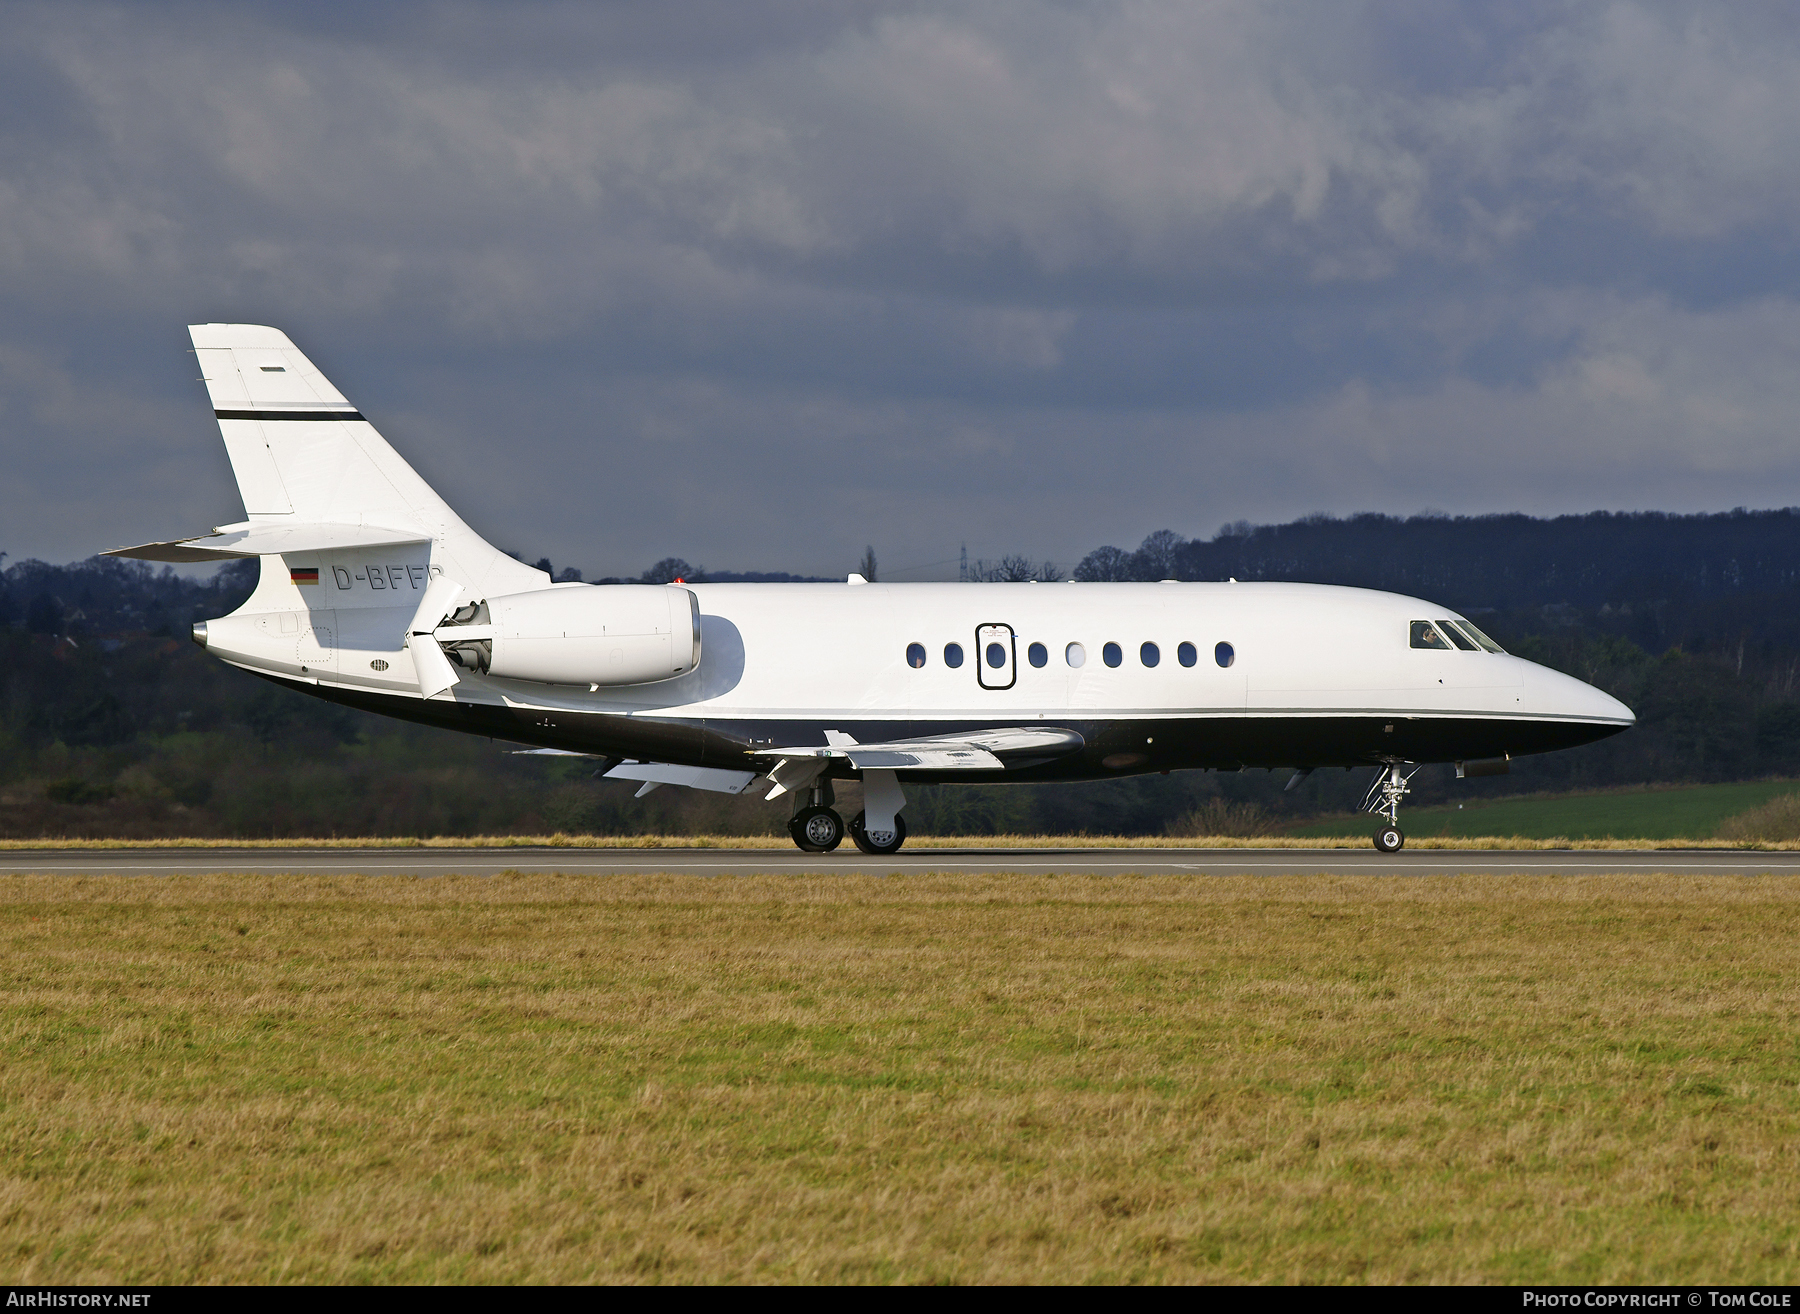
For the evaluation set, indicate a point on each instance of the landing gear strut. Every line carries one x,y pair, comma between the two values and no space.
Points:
879,828
1384,799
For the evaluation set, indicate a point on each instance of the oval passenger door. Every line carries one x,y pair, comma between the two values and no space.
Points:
994,656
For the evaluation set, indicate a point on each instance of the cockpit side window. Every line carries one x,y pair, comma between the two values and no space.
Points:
1468,628
1425,635
1457,637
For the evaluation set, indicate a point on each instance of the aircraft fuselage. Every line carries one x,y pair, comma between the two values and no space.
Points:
1219,676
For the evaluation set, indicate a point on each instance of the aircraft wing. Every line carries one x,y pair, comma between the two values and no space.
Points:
796,767
654,774
975,750
657,774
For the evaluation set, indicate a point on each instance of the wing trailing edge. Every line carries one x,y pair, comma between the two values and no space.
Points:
980,750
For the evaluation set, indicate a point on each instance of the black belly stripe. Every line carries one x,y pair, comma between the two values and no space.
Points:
288,415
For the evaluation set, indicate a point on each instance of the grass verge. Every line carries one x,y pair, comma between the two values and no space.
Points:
917,1079
1658,813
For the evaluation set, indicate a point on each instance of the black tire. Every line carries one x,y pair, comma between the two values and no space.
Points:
817,830
867,845
1389,839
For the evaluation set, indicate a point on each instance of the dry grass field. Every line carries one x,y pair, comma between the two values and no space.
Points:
944,1078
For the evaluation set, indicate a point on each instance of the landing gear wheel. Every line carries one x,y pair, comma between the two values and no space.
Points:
1389,839
817,829
889,842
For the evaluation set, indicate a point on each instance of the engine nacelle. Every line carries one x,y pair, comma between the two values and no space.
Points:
580,634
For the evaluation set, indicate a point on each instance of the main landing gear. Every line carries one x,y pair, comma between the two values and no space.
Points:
1383,799
878,841
817,828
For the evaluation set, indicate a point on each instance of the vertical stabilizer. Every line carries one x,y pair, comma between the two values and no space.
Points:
304,455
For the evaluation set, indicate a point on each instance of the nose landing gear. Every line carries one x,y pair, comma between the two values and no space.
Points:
1383,798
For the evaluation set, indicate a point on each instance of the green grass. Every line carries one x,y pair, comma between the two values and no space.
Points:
942,1078
1689,812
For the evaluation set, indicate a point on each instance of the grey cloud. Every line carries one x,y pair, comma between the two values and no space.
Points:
1184,142
1050,273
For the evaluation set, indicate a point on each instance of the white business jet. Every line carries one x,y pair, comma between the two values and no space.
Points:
375,594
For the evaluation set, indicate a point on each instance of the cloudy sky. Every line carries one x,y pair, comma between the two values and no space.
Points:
758,283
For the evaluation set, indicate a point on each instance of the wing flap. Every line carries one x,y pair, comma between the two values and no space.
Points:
965,757
663,773
657,774
976,750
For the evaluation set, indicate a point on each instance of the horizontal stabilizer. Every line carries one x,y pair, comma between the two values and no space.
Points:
252,539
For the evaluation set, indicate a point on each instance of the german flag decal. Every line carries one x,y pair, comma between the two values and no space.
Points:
310,576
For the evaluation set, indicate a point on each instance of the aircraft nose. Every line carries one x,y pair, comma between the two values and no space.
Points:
1551,693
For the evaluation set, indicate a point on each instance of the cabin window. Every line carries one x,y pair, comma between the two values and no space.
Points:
1468,628
1149,654
1038,655
953,655
996,655
1112,654
1457,637
1425,635
1187,654
915,655
1224,654
1075,655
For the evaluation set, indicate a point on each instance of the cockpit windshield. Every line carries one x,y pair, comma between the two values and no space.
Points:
1457,637
1425,635
1468,628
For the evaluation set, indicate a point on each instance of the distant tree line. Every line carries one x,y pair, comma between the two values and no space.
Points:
671,570
1663,580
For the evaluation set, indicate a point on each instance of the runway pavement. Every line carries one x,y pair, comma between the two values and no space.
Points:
745,862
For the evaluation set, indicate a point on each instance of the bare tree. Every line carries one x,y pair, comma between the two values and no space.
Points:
1155,557
1016,569
670,569
1104,564
866,567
